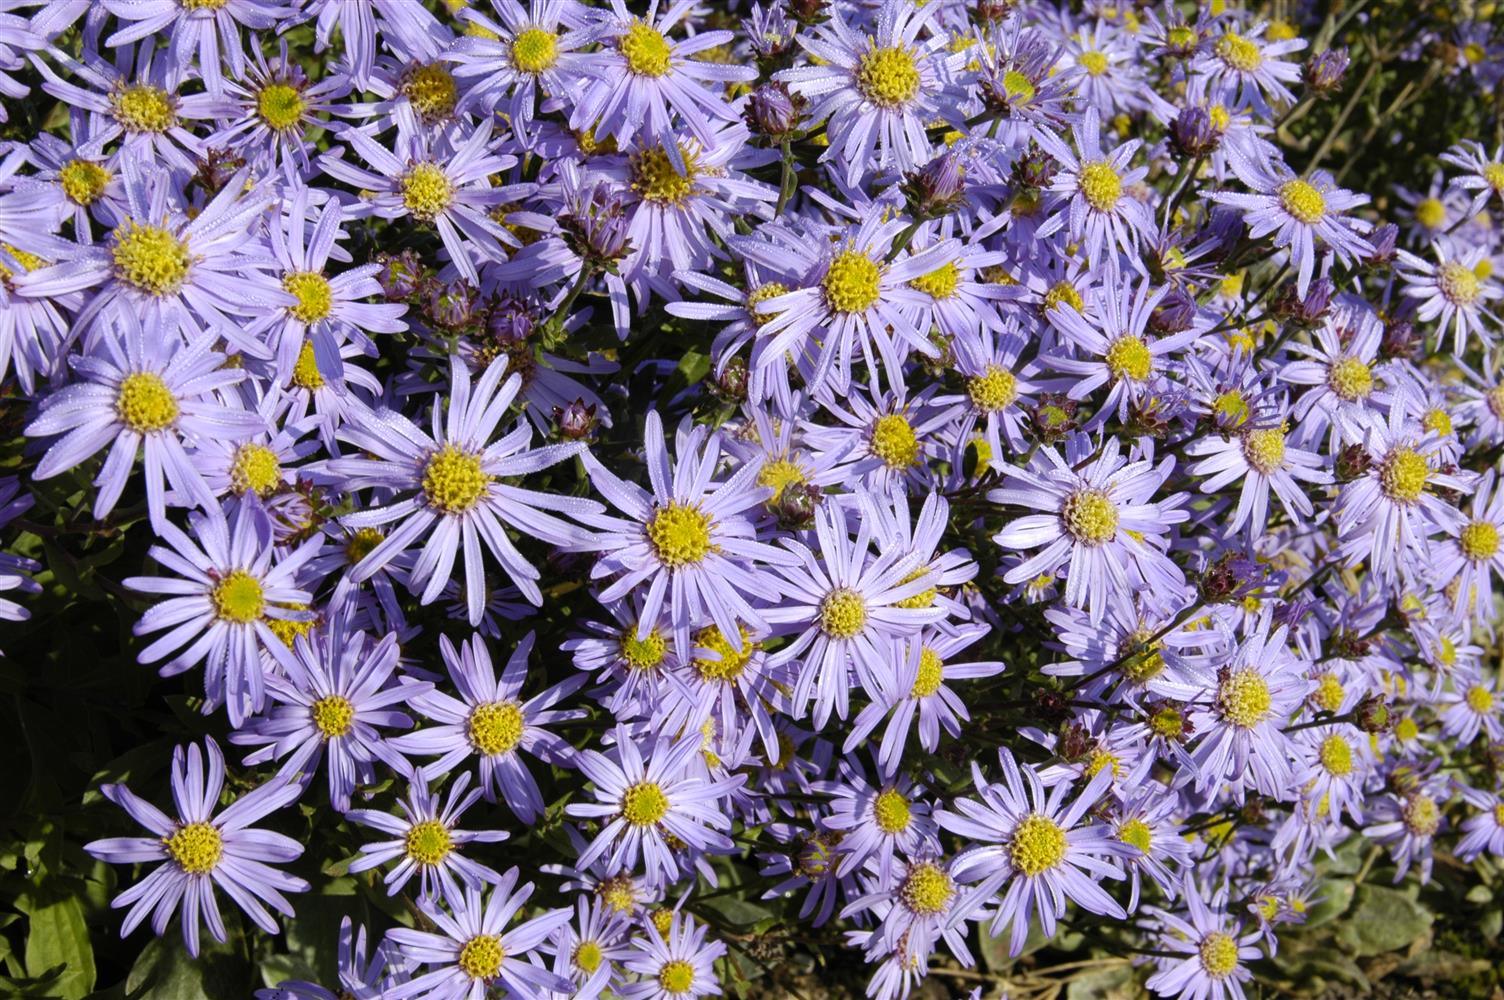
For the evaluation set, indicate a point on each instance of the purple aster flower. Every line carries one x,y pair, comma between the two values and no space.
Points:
677,966
33,326
474,949
229,587
689,540
201,850
452,489
1246,69
1098,210
335,700
589,950
875,823
1099,524
1259,455
1348,381
1454,291
1407,824
427,842
1037,846
1298,212
1482,174
639,79
1472,706
203,36
1482,832
879,86
647,794
524,53
917,907
1216,949
276,106
491,721
1470,558
1146,821
361,976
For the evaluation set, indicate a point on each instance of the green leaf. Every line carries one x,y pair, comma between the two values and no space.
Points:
1382,920
165,971
694,366
57,936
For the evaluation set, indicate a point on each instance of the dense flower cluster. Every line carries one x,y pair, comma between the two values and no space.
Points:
1074,509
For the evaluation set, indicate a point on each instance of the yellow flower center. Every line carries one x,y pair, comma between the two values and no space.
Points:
430,89
1239,53
645,49
1167,724
1420,815
1243,698
1136,833
1431,213
1017,86
1100,185
731,664
1220,116
149,258
1458,284
1480,699
1147,662
496,727
779,475
1231,409
305,371
360,544
926,889
1329,692
203,4
1264,450
1094,62
238,597
333,716
759,295
891,811
1219,954
1128,357
888,77
535,50
1493,174
1037,846
587,956
643,654
426,191
1337,756
481,957
1437,421
1402,477
311,289
145,404
656,180
1474,53
1479,540
617,892
853,283
993,390
644,804
676,976
288,629
680,534
143,108
453,480
930,675
280,106
843,613
428,842
83,181
940,283
255,469
1063,293
1350,379
196,847
924,599
1302,201
1090,516
894,441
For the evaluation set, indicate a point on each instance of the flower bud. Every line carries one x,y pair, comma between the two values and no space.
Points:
773,111
1373,716
1308,311
795,505
730,383
510,320
452,304
1175,313
1352,463
1384,241
1194,133
401,276
1325,71
576,421
937,188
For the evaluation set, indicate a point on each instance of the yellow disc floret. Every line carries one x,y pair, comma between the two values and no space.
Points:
280,106
1458,284
83,181
428,842
995,389
888,77
1431,213
255,469
1350,379
1479,540
891,811
1219,954
1264,450
314,295
1302,201
853,283
495,727
645,49
145,404
431,90
453,480
305,371
1038,845
843,613
644,804
676,976
894,441
940,283
1090,516
1238,52
1128,357
143,108
426,191
149,258
1403,475
655,178
731,663
1243,698
643,654
680,534
238,597
481,957
535,50
1480,699
196,847
1136,833
333,716
926,889
1336,756
931,674
1100,185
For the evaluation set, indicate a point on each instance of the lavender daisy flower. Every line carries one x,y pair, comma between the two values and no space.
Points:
1260,456
1216,952
474,948
1099,524
1484,831
679,965
640,79
1343,368
202,850
1453,291
276,106
845,607
361,976
148,391
524,53
33,327
689,541
913,911
646,795
1037,846
589,949
1241,740
880,91
1146,821
1470,558
428,842
873,824
1097,209
229,588
1407,824
1248,68
336,698
205,36
491,721
453,489
1482,174
1471,707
